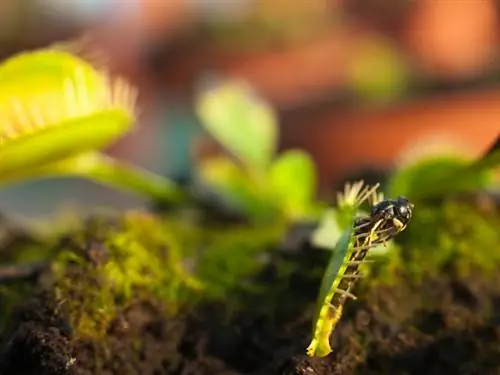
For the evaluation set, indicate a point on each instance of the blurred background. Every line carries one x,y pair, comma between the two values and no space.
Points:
360,84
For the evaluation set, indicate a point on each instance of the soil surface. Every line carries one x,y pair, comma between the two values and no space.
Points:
441,325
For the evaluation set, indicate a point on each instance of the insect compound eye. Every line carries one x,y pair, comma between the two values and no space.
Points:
404,208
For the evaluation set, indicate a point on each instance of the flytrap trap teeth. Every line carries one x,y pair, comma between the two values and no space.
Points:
75,99
85,47
59,111
55,106
387,219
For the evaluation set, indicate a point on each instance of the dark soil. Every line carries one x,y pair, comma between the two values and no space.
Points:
442,325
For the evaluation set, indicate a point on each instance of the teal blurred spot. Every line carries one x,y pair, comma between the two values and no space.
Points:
178,128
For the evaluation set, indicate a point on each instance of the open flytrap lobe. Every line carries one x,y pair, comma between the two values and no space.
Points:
387,219
56,111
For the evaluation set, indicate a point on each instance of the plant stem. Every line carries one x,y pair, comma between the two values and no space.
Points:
124,176
108,171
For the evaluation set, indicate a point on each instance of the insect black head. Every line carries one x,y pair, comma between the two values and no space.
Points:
398,212
403,210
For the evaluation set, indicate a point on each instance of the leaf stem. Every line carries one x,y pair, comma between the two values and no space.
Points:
111,172
125,176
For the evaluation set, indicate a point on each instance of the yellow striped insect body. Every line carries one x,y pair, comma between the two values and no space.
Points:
387,219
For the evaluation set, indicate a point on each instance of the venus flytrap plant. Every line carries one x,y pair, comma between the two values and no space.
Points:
259,183
57,111
350,247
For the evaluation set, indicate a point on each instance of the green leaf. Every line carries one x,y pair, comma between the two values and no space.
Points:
489,161
292,178
377,71
241,122
235,187
438,176
328,233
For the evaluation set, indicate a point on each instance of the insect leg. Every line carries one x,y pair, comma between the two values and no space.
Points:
359,262
346,293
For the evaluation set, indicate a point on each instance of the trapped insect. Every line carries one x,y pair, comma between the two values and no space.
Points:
387,218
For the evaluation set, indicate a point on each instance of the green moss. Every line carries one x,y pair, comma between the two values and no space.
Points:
138,258
11,295
85,297
146,257
452,236
231,257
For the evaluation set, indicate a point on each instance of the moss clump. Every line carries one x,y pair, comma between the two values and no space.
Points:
454,235
231,257
145,257
138,257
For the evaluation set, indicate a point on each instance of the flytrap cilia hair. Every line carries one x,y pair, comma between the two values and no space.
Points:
387,218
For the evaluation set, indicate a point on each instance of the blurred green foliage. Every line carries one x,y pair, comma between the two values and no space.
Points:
377,71
439,176
243,123
260,183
